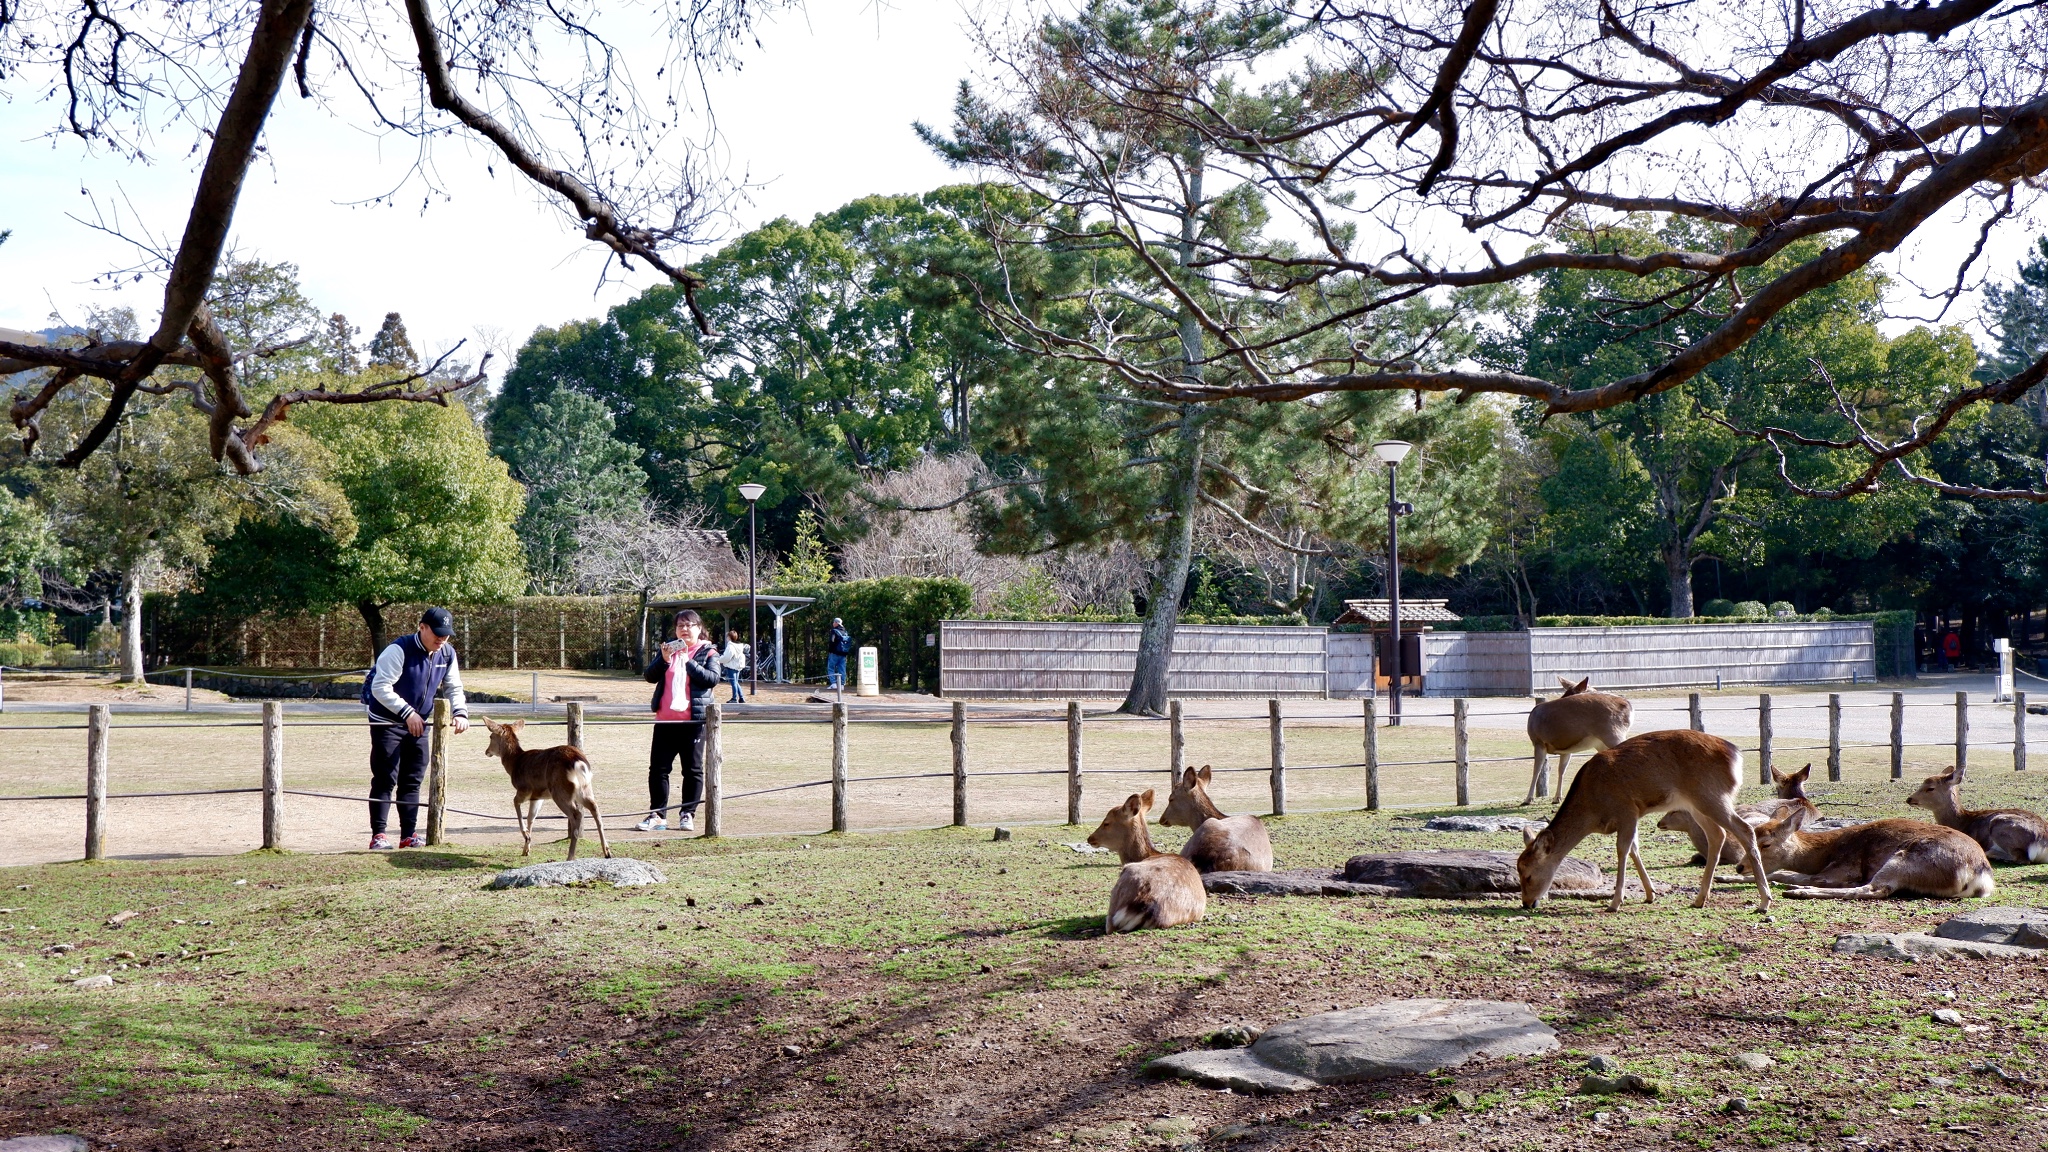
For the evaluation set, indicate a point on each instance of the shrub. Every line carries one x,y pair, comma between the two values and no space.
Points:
1751,608
1783,608
1718,607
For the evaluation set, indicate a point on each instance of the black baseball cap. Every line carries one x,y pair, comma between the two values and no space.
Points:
440,620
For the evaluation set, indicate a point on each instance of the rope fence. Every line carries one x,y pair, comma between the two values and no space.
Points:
1766,710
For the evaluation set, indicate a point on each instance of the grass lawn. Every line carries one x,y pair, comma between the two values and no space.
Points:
936,990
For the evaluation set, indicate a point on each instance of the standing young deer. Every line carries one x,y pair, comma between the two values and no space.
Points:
1578,721
1218,843
1652,773
1872,861
1791,794
1155,889
2007,835
562,774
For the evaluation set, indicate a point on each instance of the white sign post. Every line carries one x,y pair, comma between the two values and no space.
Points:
870,672
2002,648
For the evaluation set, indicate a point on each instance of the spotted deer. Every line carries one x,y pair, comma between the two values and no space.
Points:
562,774
1872,861
1791,793
1644,776
2007,835
1155,889
1580,720
1218,843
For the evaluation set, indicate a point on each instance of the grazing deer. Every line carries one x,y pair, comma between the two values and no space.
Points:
1218,843
1578,721
1791,794
2007,835
1872,861
1155,889
1652,773
561,774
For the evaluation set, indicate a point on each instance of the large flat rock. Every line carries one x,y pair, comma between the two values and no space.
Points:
1401,1037
1913,946
1484,824
1461,872
1292,882
618,872
2019,927
44,1144
1233,1068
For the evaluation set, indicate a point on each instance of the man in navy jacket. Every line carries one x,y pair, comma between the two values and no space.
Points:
399,695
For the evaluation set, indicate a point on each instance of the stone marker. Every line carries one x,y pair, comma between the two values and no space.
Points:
1484,824
45,1144
619,872
2019,927
1911,946
1393,1038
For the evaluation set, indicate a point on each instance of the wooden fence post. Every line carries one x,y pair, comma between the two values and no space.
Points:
572,712
1834,735
188,689
533,696
1372,757
1277,738
1763,738
273,775
1962,729
839,758
437,776
1461,749
561,639
1898,735
1073,761
97,719
714,770
959,764
1692,708
2019,731
1176,744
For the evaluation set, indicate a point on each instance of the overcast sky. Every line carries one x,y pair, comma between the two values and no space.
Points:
820,115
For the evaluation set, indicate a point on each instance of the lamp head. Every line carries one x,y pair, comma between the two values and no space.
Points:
752,492
1392,451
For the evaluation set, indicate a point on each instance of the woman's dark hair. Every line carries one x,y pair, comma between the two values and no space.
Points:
686,616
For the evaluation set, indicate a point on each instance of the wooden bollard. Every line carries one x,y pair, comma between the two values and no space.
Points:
437,776
1176,744
959,764
1763,738
1834,735
572,714
839,758
1898,735
1277,738
2019,731
1461,750
1962,729
1073,762
97,719
1693,714
273,775
1372,756
714,770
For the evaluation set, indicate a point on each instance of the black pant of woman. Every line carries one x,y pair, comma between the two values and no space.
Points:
672,740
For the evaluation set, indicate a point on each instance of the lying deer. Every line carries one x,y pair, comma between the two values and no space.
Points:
1578,721
561,774
1791,794
2007,835
1656,772
1872,861
1155,889
1218,843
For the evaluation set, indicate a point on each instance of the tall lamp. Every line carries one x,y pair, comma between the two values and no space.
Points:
1392,452
752,492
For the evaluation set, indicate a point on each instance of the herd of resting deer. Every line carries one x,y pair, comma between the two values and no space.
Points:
1689,778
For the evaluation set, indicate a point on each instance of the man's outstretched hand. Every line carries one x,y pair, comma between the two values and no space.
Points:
461,725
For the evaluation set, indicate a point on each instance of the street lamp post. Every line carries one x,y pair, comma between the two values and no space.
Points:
752,492
1392,452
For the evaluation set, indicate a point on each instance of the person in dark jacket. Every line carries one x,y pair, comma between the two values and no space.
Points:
683,674
838,646
399,694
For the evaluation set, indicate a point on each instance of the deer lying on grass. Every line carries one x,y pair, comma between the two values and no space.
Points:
1872,861
1218,843
2007,835
1791,794
562,774
1155,889
1578,721
1652,773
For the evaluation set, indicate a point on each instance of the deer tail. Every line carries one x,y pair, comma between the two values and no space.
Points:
1133,916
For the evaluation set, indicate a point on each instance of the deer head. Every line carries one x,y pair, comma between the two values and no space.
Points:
1774,837
1938,793
1189,803
1571,689
1791,786
504,737
1122,830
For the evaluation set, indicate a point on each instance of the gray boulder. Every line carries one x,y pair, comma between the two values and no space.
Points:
1233,1068
1484,824
1912,946
1401,1037
45,1144
618,872
2019,927
1460,872
1292,882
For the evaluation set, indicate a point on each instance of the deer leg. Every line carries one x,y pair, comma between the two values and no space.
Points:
1712,856
1564,762
519,816
1739,830
1624,847
575,815
1643,874
1537,778
604,846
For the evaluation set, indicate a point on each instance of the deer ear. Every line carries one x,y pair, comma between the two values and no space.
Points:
1581,685
1958,772
1206,775
1528,835
1145,801
1130,806
1799,777
1564,684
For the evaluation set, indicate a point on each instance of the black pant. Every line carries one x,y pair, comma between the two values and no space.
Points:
397,758
671,740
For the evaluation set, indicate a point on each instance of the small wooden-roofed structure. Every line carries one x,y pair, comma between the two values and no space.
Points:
1416,617
1376,612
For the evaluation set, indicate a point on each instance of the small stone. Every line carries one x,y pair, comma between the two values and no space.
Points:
1596,1085
1750,1061
239,883
1734,1105
1601,1117
1230,1132
122,956
1524,950
1940,1082
1173,1129
1231,1036
661,927
792,1050
1001,834
100,981
1424,1118
1605,1065
688,902
120,918
1462,1100
760,901
1948,1016
1002,871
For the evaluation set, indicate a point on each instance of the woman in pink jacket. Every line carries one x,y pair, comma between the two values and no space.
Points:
683,674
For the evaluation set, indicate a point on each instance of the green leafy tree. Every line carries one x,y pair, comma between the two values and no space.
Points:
28,545
391,347
573,469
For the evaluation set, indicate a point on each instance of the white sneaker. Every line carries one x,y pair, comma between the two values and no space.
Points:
686,823
656,824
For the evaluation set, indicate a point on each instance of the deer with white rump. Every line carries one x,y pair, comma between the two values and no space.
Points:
1650,774
1218,843
1580,720
1155,889
2007,835
1872,861
561,773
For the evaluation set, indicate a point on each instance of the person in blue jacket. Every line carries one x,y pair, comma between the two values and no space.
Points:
399,695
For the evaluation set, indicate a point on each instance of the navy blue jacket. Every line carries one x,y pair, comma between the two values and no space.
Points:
407,678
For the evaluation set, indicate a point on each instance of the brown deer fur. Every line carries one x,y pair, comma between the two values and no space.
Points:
562,774
1578,721
1791,793
1218,843
1652,773
1872,861
2007,835
1155,889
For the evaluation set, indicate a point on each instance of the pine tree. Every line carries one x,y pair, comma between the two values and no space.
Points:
340,354
391,347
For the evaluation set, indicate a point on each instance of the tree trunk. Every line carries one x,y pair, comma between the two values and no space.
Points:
373,619
1147,696
1678,570
131,624
640,644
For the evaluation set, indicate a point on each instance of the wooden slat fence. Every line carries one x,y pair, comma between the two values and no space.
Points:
1689,655
1028,660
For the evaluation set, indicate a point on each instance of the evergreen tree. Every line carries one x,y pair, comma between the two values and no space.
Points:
339,354
573,469
391,347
